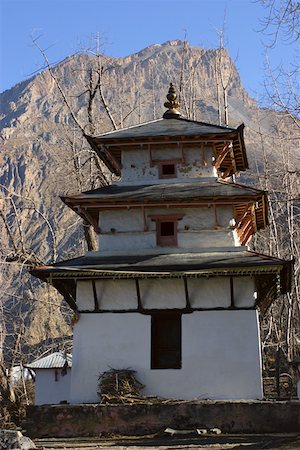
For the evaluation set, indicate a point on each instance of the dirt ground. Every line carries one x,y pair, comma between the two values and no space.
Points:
247,442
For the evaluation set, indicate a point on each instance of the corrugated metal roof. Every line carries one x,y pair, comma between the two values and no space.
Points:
56,360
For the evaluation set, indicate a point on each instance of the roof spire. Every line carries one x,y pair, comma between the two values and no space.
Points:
171,104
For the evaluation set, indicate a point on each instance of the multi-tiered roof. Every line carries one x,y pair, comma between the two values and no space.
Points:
249,206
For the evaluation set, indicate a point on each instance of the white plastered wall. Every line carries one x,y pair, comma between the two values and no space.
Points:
123,230
116,294
209,292
104,341
162,294
244,290
213,292
47,390
85,296
220,355
136,167
197,164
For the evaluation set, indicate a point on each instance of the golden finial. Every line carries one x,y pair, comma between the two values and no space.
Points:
171,104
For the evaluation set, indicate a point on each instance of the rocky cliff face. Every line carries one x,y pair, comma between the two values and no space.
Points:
41,148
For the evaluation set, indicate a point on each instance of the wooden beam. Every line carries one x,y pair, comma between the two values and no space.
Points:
222,155
165,311
206,139
187,296
232,200
150,155
232,157
227,173
165,218
245,212
232,305
83,212
216,224
253,218
96,303
204,162
180,145
241,149
138,295
144,219
247,236
247,226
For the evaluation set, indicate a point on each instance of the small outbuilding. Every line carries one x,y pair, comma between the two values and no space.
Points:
53,377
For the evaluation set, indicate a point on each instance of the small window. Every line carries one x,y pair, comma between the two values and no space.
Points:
166,341
167,228
166,233
167,170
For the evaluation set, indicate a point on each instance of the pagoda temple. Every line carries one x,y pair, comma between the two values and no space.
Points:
173,292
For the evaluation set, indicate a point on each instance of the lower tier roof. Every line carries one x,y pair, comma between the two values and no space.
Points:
268,269
178,192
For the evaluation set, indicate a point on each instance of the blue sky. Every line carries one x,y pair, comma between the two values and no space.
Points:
126,26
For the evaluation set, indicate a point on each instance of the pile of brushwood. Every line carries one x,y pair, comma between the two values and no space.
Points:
121,386
118,386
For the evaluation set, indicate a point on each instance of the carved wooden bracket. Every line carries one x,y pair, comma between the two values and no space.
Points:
83,212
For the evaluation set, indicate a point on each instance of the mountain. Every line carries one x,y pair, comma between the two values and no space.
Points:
41,148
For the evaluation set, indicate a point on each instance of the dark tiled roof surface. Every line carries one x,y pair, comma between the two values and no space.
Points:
169,261
213,263
165,127
171,191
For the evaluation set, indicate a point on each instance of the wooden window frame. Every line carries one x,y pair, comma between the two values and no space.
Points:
164,162
170,162
166,241
172,353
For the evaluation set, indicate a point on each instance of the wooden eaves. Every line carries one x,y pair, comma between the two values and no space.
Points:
250,209
109,148
272,275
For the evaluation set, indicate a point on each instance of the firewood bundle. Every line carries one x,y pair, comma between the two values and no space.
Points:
119,386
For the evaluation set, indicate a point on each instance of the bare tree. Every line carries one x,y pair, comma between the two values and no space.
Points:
282,179
277,173
282,19
282,22
224,70
19,213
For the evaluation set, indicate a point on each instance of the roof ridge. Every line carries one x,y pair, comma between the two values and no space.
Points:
200,122
127,128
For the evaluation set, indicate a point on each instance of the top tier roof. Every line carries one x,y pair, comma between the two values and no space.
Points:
172,128
178,129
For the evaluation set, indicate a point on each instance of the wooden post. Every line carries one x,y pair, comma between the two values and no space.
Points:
277,372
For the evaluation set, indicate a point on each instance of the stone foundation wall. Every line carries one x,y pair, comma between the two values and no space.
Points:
139,419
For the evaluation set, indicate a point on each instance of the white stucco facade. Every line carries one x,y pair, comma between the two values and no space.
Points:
172,291
191,162
133,300
133,229
51,387
164,294
220,355
220,348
